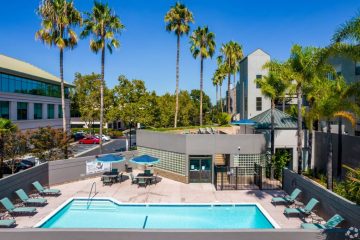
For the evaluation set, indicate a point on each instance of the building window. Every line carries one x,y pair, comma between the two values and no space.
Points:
246,104
14,84
357,68
37,111
258,77
50,111
60,115
4,110
22,111
259,104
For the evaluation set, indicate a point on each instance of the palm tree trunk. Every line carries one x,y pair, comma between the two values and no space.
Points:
234,100
329,173
339,162
283,104
272,128
299,132
63,102
228,96
2,153
310,144
217,96
102,96
221,102
177,81
201,89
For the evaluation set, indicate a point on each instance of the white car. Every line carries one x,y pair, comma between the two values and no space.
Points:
104,137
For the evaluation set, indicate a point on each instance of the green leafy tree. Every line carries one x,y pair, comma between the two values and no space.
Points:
6,128
274,87
58,18
104,26
178,20
203,46
206,102
16,146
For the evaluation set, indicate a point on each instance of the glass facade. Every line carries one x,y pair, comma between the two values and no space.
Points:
4,109
14,84
247,162
22,111
258,104
60,111
50,111
38,111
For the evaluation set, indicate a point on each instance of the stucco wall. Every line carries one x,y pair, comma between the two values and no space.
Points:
23,179
330,203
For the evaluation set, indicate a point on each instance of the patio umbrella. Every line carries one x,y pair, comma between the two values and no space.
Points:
145,160
110,158
244,122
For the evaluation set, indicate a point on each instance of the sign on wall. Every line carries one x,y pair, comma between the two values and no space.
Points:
95,167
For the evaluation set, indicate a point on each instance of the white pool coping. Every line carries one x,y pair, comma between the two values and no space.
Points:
258,205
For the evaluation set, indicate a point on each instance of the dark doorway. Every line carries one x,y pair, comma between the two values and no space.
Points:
200,169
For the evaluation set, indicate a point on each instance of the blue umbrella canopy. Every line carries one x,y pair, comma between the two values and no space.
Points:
110,158
145,160
243,122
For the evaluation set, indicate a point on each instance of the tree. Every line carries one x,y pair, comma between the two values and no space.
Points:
231,55
47,143
202,45
206,102
218,78
178,19
103,24
274,87
6,128
16,146
58,17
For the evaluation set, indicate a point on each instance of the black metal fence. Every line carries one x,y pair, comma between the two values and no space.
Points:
245,178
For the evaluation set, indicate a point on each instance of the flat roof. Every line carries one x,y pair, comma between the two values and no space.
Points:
23,69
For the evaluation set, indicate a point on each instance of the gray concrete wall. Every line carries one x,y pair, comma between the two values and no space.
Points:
330,203
23,179
350,151
116,234
202,144
69,170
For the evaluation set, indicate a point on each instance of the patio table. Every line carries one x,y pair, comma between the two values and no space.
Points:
111,175
147,177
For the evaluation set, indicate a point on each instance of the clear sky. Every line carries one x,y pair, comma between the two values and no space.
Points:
148,52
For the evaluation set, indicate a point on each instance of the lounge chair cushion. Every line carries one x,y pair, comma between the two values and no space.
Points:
51,191
312,226
36,200
7,222
280,199
24,210
288,211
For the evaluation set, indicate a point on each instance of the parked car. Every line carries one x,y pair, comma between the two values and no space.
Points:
89,140
78,135
18,166
104,137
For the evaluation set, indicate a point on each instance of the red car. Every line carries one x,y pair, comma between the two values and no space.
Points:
89,140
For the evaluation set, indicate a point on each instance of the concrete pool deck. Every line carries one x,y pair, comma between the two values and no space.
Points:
165,191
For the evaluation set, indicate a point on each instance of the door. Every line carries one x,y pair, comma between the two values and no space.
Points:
200,170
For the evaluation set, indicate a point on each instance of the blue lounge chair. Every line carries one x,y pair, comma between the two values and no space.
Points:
287,199
305,211
16,210
331,223
6,223
30,201
45,191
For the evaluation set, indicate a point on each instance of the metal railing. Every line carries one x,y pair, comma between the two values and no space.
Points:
93,186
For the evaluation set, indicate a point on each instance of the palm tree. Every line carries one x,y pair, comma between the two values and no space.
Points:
103,24
202,45
218,78
231,55
178,19
58,17
6,127
274,87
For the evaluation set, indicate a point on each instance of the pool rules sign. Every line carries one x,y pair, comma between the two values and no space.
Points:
95,167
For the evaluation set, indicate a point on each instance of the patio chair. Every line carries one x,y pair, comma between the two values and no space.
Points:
127,168
305,211
208,130
213,130
202,131
9,206
114,170
155,179
30,201
119,178
142,182
6,223
147,172
133,179
45,191
287,199
107,181
331,223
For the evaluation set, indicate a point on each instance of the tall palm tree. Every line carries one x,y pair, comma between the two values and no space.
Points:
304,65
231,55
218,78
58,18
202,45
178,20
274,87
103,24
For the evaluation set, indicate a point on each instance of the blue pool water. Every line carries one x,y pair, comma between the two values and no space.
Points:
107,214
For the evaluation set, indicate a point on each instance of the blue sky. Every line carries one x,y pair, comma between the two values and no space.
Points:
148,52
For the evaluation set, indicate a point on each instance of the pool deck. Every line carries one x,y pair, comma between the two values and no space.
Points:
166,191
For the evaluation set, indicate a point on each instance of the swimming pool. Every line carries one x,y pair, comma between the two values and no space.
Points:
108,213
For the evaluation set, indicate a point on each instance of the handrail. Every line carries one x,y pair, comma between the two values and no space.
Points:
89,199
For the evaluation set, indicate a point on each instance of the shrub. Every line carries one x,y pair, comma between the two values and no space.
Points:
223,119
